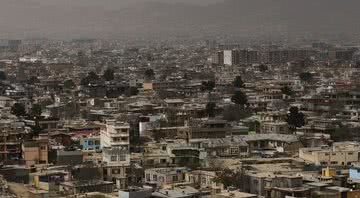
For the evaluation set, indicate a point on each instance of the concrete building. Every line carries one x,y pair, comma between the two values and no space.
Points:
115,143
136,192
340,154
115,134
166,176
90,142
35,152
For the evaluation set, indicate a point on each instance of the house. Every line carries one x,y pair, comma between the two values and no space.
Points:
340,154
166,176
136,192
75,187
35,152
177,192
116,164
90,142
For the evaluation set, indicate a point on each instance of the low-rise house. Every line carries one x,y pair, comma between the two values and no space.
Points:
116,164
166,176
75,187
284,185
136,192
340,154
178,192
90,142
35,152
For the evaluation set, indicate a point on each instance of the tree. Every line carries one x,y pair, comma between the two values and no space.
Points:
18,109
210,109
36,111
2,75
230,178
295,118
131,91
91,77
342,133
235,113
32,80
239,98
287,91
69,84
238,82
108,75
263,68
208,85
306,77
149,74
87,172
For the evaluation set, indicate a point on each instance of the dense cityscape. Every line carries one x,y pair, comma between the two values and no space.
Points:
180,116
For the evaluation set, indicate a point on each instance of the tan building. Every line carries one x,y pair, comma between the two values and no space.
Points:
35,152
340,154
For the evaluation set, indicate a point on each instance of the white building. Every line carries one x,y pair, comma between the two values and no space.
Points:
115,134
228,57
114,141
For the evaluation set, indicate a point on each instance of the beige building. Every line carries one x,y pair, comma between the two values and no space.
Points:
35,152
340,154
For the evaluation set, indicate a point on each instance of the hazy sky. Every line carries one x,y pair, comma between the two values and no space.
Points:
116,18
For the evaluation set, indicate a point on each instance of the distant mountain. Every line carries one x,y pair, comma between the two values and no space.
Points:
116,18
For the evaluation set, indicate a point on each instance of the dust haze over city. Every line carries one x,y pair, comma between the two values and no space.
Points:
109,18
179,98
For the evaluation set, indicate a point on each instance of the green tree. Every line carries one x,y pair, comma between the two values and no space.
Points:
295,118
18,109
91,77
36,111
149,74
108,75
238,82
208,85
306,77
2,75
32,80
131,91
230,178
235,113
342,133
287,91
263,68
210,109
69,84
239,98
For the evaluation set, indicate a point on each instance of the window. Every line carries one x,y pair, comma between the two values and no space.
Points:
326,154
90,143
115,171
175,178
43,148
113,158
97,142
203,180
122,158
162,161
155,177
334,162
350,153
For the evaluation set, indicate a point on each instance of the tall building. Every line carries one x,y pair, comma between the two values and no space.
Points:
115,134
218,58
231,57
115,143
